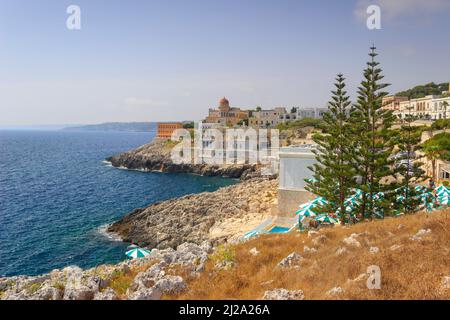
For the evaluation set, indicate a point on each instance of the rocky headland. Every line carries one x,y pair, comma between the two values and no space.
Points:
155,156
213,216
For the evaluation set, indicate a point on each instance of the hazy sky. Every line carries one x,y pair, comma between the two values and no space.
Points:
139,60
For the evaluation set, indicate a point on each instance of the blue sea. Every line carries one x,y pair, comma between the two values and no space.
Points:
56,194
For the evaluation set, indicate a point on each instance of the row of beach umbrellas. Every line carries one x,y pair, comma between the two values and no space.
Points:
429,201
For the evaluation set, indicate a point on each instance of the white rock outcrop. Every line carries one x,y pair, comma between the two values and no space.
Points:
283,294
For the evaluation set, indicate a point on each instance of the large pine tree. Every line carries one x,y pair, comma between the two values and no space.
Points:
407,166
372,141
333,173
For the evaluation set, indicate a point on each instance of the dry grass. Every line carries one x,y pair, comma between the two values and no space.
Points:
414,271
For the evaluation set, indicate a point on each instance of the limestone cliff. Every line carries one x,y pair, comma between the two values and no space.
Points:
155,156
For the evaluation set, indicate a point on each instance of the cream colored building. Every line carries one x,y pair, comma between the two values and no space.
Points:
267,118
420,108
431,107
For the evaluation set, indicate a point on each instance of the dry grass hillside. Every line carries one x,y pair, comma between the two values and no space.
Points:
411,267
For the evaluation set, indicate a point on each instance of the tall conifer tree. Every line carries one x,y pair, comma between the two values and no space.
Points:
407,167
333,173
372,141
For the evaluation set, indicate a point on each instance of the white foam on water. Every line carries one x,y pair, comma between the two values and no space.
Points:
103,230
107,163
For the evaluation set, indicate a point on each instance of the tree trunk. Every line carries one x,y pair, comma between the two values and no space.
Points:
433,169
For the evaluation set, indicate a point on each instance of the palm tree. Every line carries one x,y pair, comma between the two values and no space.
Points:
438,147
433,153
445,105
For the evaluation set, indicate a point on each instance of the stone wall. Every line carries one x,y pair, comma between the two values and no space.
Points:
289,200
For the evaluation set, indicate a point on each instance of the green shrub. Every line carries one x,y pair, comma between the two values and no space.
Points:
32,288
59,285
441,124
224,253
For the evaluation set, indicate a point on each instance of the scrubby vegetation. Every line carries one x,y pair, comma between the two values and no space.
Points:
424,90
121,280
412,267
441,124
302,123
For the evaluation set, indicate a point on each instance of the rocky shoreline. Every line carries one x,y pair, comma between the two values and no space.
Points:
211,216
182,232
155,156
147,278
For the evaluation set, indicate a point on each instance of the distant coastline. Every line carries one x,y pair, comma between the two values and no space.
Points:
116,127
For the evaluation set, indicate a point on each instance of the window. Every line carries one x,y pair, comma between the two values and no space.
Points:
444,174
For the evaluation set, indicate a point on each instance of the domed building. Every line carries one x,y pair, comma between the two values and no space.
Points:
226,115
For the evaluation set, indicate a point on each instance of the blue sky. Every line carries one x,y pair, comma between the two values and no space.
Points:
139,60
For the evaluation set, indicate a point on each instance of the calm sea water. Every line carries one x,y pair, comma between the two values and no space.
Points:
56,192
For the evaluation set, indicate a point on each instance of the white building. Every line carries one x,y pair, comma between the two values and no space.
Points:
294,162
438,108
430,107
302,113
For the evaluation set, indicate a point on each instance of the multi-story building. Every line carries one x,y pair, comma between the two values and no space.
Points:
440,108
430,107
421,107
393,102
267,118
226,115
165,129
302,113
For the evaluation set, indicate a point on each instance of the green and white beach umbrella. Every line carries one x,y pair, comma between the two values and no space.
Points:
311,180
379,214
137,253
351,201
348,209
319,201
305,208
444,200
420,188
306,205
442,190
307,212
326,219
378,195
443,193
358,193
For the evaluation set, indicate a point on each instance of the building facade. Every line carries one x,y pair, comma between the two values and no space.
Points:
165,129
430,108
294,163
226,115
393,102
440,108
267,118
302,113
